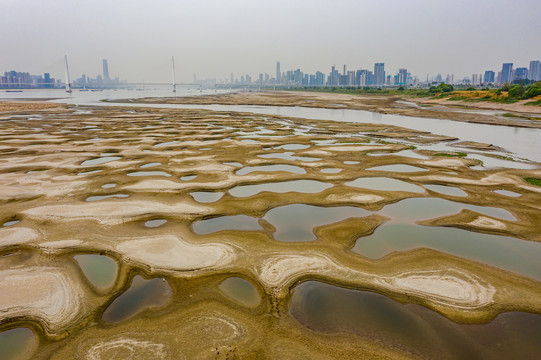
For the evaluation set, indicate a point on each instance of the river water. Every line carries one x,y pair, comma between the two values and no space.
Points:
522,142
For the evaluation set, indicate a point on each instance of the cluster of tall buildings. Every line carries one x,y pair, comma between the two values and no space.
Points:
360,77
378,77
23,80
508,74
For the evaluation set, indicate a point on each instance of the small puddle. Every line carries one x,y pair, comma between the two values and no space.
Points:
166,143
188,177
206,196
384,184
330,170
142,294
89,172
100,160
11,223
103,197
108,186
349,162
292,147
507,193
397,168
17,344
233,163
296,222
155,223
149,173
331,309
446,190
151,164
279,167
100,270
302,186
240,290
235,222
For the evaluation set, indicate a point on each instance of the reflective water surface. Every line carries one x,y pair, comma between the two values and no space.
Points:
413,328
240,290
100,270
17,344
141,295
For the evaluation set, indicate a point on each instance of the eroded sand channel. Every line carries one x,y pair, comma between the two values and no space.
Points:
235,213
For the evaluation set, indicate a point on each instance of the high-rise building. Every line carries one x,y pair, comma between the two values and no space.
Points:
489,77
521,74
402,77
507,73
105,70
379,74
535,70
278,73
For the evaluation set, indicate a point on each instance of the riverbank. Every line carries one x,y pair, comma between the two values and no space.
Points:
415,107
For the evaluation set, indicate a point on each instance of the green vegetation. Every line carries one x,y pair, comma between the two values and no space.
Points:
442,88
458,154
533,181
508,94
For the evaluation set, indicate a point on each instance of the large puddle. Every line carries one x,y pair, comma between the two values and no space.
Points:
384,184
446,190
301,186
296,223
100,270
516,255
141,295
235,222
241,291
417,209
413,328
17,344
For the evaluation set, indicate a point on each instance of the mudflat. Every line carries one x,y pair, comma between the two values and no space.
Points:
192,198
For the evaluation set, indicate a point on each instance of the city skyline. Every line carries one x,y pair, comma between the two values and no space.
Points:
213,38
296,77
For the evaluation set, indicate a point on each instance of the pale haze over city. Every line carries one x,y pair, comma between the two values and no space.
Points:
214,38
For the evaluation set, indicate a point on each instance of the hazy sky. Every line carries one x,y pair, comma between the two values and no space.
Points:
213,38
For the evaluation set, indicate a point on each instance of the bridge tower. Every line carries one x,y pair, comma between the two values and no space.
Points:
68,84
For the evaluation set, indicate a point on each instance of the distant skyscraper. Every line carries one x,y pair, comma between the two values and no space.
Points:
535,70
105,70
507,73
402,76
379,74
489,77
278,73
521,74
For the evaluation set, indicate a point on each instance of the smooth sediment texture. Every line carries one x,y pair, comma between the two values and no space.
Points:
210,258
